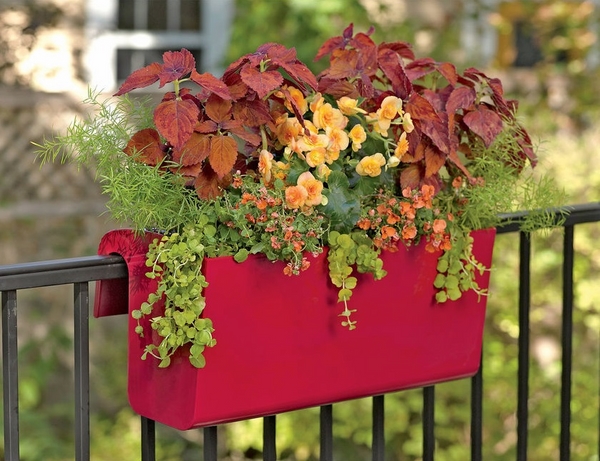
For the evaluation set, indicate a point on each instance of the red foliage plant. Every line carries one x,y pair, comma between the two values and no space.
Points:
220,128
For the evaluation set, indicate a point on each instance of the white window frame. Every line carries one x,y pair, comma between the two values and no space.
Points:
104,39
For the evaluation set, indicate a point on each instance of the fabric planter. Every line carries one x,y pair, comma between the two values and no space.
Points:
280,344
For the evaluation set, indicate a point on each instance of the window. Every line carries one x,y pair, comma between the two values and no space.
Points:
125,35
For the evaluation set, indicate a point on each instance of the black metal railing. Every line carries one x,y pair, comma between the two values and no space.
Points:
81,271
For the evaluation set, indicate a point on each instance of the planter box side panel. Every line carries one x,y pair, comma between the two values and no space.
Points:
281,346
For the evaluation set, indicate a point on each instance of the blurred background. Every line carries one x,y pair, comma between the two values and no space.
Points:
547,52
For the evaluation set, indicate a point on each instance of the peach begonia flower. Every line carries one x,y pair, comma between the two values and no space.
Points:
287,130
407,123
402,146
338,139
323,172
371,165
316,157
380,125
298,98
265,165
331,156
307,143
357,135
316,102
349,106
391,106
295,196
313,187
327,116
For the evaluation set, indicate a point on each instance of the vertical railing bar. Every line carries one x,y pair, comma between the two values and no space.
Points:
269,438
378,428
148,444
477,414
10,375
523,354
326,433
82,371
210,443
428,423
567,345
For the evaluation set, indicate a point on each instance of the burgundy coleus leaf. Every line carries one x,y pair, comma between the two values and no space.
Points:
177,64
223,154
428,121
343,64
461,98
434,161
195,150
338,88
412,176
218,109
485,123
252,112
141,78
176,119
404,49
391,65
261,82
419,68
146,147
448,70
335,43
211,83
209,185
253,139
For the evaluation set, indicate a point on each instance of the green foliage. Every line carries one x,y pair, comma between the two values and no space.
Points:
348,252
139,195
176,260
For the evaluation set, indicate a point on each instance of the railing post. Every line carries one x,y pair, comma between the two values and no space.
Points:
477,413
523,358
378,428
10,374
269,438
82,371
326,433
428,423
567,345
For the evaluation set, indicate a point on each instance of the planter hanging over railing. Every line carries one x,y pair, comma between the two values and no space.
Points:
280,343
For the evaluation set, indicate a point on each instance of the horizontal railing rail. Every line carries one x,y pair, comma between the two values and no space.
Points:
81,271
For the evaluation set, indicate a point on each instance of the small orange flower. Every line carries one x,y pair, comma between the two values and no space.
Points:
387,232
409,232
439,226
364,223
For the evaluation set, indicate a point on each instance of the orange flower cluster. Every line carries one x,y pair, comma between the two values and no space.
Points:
396,220
263,211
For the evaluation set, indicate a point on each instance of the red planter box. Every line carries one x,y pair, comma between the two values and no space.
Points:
280,345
